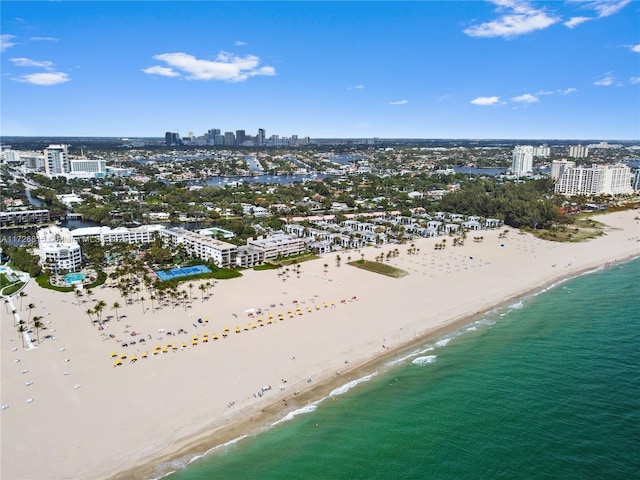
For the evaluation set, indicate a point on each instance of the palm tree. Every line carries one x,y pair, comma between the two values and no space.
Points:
152,298
21,330
21,295
115,307
98,310
142,299
6,304
89,293
37,324
202,288
31,306
190,290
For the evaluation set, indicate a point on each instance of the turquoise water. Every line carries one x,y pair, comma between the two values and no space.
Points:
547,388
69,278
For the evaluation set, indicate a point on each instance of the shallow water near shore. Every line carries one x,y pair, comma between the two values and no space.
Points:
544,388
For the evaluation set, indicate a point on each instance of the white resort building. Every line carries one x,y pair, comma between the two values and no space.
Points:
595,180
58,250
106,235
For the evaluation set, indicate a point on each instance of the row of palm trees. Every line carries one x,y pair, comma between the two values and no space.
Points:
31,323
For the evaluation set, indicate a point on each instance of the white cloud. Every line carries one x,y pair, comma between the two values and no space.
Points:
399,102
519,18
558,91
634,80
356,87
526,98
47,78
605,8
239,43
575,21
6,42
162,71
483,101
227,67
27,62
605,81
43,39
635,48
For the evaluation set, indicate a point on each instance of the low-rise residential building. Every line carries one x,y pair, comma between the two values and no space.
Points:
279,244
24,217
223,254
106,235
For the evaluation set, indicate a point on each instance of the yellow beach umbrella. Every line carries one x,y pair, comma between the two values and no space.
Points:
144,355
123,356
117,363
215,337
238,330
184,345
165,350
114,354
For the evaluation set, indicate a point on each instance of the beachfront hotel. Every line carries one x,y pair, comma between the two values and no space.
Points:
595,180
58,250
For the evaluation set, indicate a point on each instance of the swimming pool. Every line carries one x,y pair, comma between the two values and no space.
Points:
182,272
71,278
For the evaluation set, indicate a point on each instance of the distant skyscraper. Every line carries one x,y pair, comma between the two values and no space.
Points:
56,161
240,137
229,139
522,163
542,151
172,138
261,136
578,151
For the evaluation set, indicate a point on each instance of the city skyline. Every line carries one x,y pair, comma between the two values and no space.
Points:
474,69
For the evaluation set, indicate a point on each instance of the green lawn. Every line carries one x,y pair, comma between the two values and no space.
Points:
379,267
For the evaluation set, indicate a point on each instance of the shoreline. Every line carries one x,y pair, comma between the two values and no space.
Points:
178,405
205,443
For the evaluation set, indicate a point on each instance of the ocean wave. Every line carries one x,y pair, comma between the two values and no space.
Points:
167,468
424,360
443,342
300,411
348,386
517,305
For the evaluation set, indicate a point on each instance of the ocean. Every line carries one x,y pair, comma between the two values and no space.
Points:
548,387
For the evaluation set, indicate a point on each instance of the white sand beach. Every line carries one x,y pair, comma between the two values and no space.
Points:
73,414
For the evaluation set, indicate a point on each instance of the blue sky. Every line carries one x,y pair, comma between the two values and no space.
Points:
449,69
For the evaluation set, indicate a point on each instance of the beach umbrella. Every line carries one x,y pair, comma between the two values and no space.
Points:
175,347
117,363
238,330
144,355
270,322
184,345
113,354
215,337
194,342
134,358
123,356
226,329
164,350
225,333
253,325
